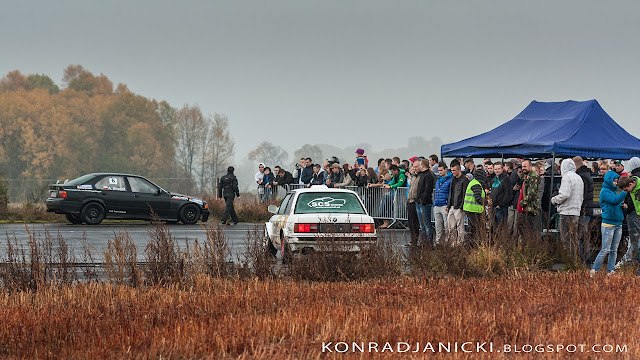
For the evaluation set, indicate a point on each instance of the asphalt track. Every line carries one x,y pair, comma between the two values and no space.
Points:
98,236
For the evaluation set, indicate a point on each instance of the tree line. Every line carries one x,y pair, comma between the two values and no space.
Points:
87,125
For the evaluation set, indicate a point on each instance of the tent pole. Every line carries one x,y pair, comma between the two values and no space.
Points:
553,168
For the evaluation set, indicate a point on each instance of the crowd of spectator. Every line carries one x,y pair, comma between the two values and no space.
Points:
510,192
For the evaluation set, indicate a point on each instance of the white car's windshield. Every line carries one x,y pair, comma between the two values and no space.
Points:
328,202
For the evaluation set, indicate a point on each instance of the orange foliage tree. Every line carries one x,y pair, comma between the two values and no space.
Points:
46,133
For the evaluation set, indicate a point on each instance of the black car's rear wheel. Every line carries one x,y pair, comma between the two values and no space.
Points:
74,219
93,213
189,214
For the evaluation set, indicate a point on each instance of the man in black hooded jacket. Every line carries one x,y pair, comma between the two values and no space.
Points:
587,204
229,189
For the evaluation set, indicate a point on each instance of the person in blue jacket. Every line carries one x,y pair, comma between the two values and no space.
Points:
440,199
612,204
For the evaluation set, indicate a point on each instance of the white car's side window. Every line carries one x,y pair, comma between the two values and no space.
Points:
287,210
284,204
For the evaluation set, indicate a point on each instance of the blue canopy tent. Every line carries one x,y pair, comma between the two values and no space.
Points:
543,129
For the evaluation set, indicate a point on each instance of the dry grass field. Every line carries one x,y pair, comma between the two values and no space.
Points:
286,319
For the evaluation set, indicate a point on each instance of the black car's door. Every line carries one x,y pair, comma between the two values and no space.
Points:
115,195
147,196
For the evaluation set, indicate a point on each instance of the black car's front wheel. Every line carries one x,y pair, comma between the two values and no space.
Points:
93,213
74,219
189,214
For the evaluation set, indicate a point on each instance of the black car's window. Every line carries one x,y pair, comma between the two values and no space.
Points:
81,180
141,186
329,202
115,183
284,204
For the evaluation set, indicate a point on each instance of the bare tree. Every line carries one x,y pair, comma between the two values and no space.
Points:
190,126
269,154
309,151
221,147
203,156
72,72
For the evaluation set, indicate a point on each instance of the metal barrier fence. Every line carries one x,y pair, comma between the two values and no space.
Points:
381,203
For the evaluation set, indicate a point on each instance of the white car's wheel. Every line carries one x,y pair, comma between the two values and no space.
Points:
285,250
271,250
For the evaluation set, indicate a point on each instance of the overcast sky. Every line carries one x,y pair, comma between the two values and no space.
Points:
342,72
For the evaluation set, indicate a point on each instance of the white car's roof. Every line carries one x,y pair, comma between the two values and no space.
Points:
323,188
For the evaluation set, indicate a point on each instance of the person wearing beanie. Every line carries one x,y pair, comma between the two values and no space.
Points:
474,203
361,159
633,222
528,204
480,175
228,188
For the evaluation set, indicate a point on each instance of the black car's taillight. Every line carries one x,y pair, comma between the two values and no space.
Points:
62,194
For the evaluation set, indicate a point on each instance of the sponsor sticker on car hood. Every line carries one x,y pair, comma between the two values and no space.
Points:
187,198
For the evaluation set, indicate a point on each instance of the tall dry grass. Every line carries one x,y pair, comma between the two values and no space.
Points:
217,318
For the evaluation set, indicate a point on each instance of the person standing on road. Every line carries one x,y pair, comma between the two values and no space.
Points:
633,221
612,204
473,207
587,206
412,200
259,176
528,205
501,194
426,182
457,192
440,201
569,201
229,190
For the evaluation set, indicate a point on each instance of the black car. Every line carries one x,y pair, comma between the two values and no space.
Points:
93,197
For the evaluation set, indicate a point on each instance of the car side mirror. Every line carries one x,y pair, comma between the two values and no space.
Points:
158,192
273,209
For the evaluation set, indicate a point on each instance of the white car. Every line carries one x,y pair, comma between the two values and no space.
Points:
307,216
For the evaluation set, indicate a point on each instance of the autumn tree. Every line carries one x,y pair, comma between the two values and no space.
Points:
47,133
269,154
309,151
14,81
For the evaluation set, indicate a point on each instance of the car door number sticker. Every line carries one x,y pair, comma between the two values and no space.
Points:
113,181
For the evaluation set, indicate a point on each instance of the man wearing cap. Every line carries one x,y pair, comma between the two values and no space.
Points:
619,168
336,176
229,189
361,159
632,211
469,166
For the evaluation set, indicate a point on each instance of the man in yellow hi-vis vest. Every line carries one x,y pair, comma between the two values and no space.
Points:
474,203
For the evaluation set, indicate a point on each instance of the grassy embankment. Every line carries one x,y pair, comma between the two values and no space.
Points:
188,301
